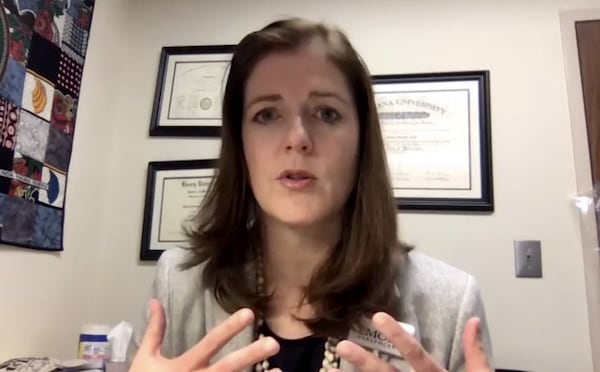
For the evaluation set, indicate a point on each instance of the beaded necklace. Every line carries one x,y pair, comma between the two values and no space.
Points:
330,358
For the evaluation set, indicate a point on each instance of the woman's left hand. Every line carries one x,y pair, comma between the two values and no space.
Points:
411,349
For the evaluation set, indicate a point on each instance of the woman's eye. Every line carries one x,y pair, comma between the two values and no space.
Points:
266,116
328,115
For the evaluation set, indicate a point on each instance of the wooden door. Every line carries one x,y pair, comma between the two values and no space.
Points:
588,44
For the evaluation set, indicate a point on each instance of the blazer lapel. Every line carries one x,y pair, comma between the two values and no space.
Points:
408,316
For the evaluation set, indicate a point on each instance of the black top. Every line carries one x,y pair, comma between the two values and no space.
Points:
299,355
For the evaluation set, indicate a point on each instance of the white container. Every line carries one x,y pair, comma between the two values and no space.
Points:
93,343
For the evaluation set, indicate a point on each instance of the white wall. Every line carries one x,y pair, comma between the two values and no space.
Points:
540,325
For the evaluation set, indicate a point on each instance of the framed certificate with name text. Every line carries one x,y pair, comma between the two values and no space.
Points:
174,193
437,136
189,90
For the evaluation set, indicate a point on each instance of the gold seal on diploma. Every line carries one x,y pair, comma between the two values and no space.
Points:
205,103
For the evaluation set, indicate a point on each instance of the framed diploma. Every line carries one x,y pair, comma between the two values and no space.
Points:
437,137
189,91
174,193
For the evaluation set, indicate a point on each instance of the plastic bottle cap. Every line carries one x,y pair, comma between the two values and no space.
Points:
95,329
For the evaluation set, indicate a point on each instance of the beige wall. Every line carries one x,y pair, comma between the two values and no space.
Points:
541,325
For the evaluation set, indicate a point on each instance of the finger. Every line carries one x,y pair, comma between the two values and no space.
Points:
361,358
155,331
248,356
203,351
408,346
475,355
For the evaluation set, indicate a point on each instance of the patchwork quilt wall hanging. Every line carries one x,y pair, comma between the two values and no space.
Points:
43,45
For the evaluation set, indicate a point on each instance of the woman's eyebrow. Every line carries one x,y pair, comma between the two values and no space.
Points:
264,98
328,94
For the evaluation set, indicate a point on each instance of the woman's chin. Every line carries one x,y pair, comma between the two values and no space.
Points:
298,219
299,222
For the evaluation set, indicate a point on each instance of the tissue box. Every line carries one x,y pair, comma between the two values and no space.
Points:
46,364
31,365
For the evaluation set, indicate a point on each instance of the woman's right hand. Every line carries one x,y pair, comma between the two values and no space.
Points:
149,358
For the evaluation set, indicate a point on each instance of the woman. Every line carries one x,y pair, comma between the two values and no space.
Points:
297,236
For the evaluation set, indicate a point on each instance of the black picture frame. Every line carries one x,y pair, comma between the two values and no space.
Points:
416,89
189,171
161,122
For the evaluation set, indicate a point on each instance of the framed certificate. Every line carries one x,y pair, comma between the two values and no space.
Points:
437,136
174,193
189,91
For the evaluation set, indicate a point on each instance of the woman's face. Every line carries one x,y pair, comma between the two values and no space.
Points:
300,136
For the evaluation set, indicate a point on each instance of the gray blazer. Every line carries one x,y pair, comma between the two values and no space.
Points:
437,300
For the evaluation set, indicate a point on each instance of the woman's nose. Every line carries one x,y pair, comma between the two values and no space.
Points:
298,137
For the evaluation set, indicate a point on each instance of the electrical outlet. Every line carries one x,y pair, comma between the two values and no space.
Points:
528,258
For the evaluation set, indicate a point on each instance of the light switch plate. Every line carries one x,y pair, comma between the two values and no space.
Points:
528,258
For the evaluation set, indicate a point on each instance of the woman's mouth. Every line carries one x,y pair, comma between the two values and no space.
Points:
296,179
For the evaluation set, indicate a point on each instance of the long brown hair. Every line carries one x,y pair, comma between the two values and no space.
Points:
358,278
